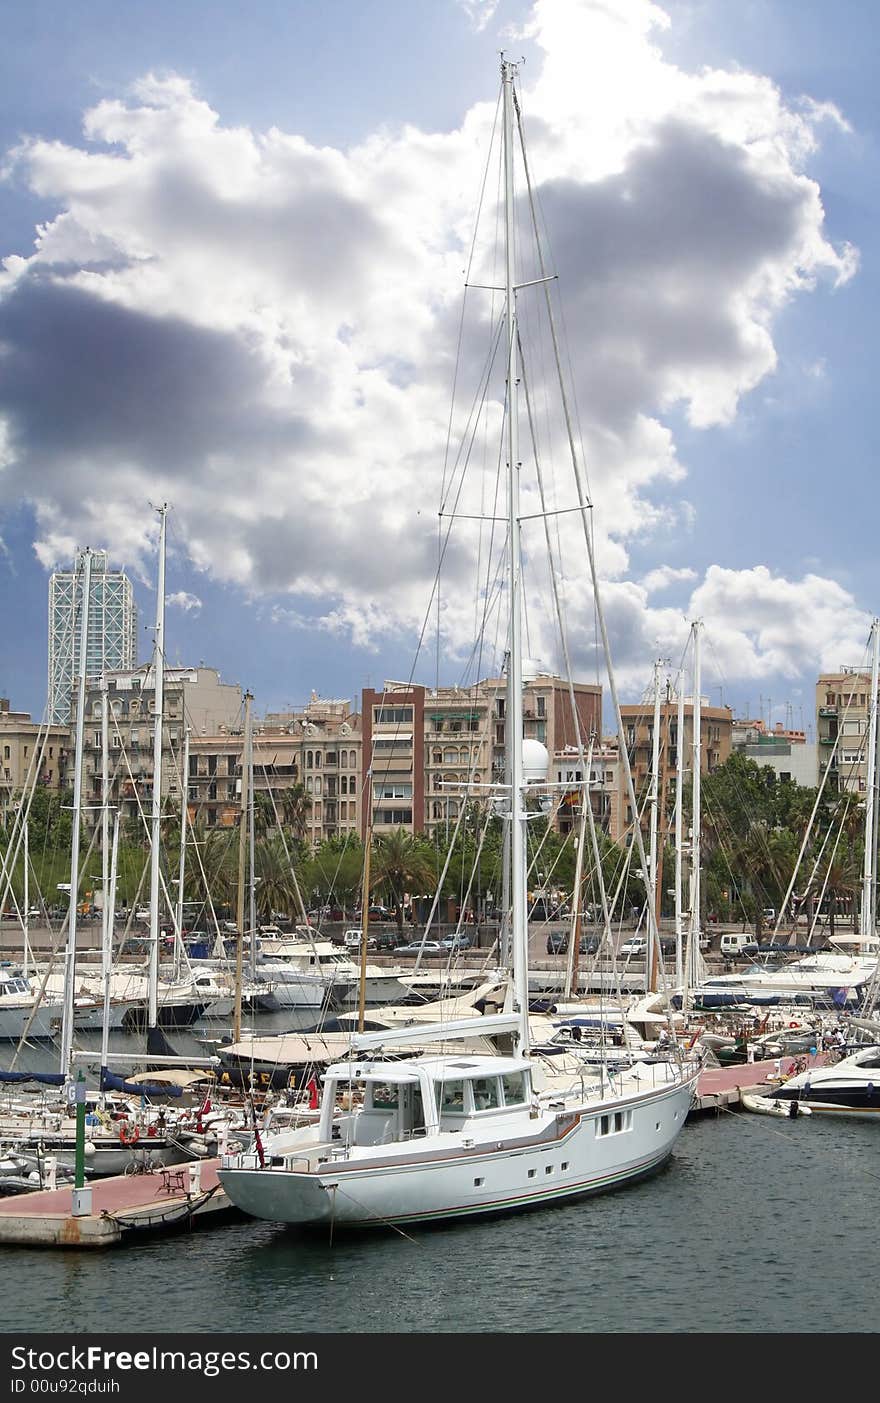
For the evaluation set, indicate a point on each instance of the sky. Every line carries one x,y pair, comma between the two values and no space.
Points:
233,245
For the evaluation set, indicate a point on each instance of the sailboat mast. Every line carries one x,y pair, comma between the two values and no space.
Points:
252,880
242,869
26,898
514,731
181,868
107,945
866,917
651,892
70,952
105,811
155,829
694,944
679,796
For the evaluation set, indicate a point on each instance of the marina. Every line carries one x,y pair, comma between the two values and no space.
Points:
529,981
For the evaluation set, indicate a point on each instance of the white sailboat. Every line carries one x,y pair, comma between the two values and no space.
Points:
463,1133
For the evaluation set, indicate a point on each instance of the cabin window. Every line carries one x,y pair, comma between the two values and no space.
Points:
451,1098
487,1093
384,1095
514,1084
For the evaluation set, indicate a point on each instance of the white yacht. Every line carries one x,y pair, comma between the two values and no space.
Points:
464,1133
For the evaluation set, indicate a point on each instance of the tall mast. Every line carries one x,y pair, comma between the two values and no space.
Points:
107,947
155,830
105,809
181,866
252,884
514,730
26,897
697,719
869,898
70,952
679,795
242,869
651,892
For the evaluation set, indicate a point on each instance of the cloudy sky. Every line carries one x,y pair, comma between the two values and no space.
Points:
233,246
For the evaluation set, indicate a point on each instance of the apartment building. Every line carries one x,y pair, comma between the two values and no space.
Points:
716,726
194,699
430,750
30,752
327,746
842,708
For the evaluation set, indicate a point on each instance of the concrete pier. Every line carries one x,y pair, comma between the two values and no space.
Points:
123,1206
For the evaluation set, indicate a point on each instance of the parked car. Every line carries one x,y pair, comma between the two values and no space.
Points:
735,943
430,947
636,945
389,940
456,942
353,939
557,943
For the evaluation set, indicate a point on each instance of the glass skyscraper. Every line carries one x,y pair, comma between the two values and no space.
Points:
112,637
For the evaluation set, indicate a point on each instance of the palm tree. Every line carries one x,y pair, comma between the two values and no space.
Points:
294,805
400,863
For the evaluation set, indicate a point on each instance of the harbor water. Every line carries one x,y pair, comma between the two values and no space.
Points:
755,1225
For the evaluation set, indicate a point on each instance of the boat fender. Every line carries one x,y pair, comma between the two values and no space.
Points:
88,1149
129,1136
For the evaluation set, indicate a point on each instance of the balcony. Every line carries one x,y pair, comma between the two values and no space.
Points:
828,740
827,710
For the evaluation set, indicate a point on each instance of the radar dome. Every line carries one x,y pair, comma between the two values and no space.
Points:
536,762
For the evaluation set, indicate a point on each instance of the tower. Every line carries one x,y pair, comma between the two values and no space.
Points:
112,636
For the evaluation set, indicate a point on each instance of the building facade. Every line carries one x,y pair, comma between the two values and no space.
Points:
716,727
194,699
842,710
30,753
111,642
431,750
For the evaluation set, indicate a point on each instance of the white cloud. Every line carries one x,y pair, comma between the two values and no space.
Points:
479,12
665,575
262,331
181,599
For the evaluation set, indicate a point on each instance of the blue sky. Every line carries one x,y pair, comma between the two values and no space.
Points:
257,326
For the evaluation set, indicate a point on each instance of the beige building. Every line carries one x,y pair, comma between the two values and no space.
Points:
30,751
194,699
842,706
716,726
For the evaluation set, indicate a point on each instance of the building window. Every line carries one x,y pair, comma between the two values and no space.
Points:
391,715
542,706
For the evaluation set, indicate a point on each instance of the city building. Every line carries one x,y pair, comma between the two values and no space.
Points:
782,750
313,750
842,706
194,699
111,642
30,753
431,750
716,726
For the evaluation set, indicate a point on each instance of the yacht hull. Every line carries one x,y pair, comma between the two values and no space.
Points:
573,1161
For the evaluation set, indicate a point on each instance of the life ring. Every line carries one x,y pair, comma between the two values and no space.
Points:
129,1136
793,1025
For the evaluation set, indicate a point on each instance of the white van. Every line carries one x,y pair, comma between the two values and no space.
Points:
738,943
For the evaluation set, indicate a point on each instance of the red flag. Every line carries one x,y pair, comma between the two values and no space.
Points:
312,1089
260,1155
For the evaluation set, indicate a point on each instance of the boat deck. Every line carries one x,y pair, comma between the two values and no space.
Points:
121,1206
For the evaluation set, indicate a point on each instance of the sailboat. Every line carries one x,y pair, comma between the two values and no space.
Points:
457,1134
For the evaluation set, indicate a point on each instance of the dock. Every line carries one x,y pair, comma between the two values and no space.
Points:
122,1207
722,1088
